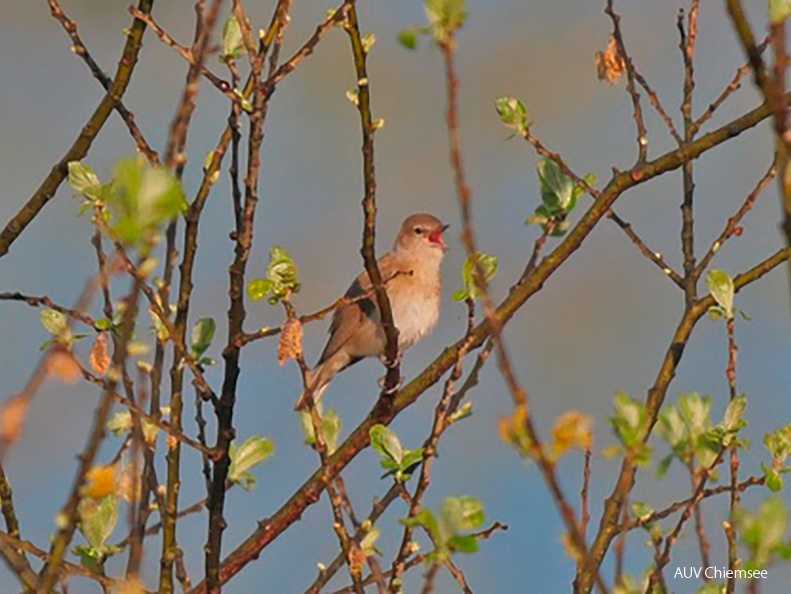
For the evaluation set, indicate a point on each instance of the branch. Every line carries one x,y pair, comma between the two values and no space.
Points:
310,491
89,132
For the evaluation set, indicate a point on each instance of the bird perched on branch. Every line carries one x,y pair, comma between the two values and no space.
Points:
411,273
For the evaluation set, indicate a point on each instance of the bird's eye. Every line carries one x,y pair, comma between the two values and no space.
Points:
419,231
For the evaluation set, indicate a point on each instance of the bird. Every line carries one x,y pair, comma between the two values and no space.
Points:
411,273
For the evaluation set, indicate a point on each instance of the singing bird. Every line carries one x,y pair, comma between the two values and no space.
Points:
411,271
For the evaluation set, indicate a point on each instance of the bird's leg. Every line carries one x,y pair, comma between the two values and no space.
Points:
381,381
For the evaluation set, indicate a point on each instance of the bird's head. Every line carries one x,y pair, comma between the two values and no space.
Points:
421,234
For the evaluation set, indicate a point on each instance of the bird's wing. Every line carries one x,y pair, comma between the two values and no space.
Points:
348,318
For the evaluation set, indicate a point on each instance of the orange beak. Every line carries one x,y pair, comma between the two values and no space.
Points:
436,238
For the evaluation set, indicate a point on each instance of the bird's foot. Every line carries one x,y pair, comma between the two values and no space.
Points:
394,389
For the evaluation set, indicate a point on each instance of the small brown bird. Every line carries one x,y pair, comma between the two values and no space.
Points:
413,283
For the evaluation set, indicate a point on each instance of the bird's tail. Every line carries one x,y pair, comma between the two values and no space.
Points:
313,391
320,377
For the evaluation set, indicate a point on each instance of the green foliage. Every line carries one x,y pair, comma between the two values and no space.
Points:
629,424
368,543
84,181
246,457
281,278
471,288
559,195
763,533
140,198
721,287
232,40
458,516
397,460
687,429
121,424
779,11
779,446
202,335
513,114
445,17
97,520
330,427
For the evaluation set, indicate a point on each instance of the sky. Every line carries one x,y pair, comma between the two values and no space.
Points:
600,325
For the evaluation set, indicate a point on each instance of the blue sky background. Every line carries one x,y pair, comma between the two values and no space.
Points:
601,324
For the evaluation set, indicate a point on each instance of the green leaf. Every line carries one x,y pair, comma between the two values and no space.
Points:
331,428
445,17
557,190
232,39
90,558
641,510
247,456
84,181
202,335
368,543
259,288
779,11
462,513
733,420
98,520
664,466
471,289
722,289
142,197
464,544
409,37
386,442
513,114
54,322
630,419
774,481
103,324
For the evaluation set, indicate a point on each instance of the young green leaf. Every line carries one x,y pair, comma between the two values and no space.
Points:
471,289
98,520
84,181
54,322
722,289
232,40
246,457
513,114
202,335
259,288
386,442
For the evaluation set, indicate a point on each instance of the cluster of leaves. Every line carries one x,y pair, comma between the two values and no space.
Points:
763,533
397,460
449,532
559,196
513,114
445,17
471,289
98,519
281,278
140,198
779,446
247,456
630,425
330,427
688,430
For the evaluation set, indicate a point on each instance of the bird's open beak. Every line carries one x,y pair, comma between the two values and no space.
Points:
436,238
